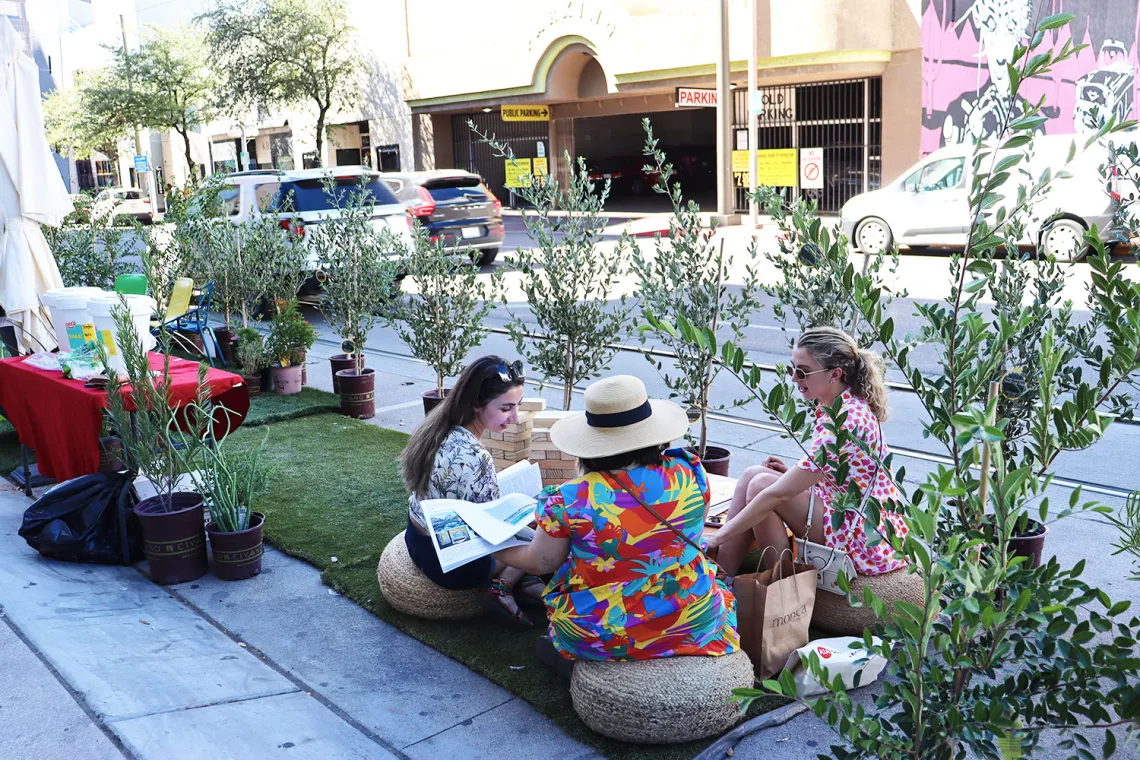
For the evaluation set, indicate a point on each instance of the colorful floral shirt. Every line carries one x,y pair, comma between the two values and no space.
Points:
631,589
851,537
462,469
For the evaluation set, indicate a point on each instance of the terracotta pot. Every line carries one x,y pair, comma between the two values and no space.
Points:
109,448
357,393
432,399
1030,545
174,539
339,362
715,460
286,380
237,556
227,340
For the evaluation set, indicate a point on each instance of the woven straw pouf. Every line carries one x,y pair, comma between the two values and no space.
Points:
834,615
664,701
407,589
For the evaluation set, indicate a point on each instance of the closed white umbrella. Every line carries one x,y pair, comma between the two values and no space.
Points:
31,193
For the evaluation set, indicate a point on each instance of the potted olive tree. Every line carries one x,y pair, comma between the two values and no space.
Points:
252,359
686,280
441,319
290,336
358,281
139,412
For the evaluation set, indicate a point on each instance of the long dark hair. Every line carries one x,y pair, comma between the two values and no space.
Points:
482,382
650,455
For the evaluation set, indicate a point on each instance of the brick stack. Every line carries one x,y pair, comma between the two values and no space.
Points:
513,444
556,466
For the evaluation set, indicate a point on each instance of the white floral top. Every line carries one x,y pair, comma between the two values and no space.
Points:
463,469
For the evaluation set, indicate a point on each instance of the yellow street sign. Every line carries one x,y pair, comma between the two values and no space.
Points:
776,168
518,172
540,167
526,113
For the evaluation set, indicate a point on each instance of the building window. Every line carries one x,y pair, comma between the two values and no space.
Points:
388,158
104,174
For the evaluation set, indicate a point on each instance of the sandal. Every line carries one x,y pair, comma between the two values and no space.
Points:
498,600
529,591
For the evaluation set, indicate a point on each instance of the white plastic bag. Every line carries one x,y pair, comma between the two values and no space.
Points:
839,659
49,362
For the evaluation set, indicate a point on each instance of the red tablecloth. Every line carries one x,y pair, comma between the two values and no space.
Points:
60,418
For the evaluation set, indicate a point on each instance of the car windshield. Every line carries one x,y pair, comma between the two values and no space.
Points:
938,175
311,195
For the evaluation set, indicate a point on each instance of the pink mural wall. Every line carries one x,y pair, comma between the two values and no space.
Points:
967,44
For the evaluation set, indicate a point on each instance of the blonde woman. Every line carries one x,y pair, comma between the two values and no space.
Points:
771,498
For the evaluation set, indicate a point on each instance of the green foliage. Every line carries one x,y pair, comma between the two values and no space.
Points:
569,278
997,652
686,281
358,266
88,249
285,52
817,274
1128,522
251,352
289,335
441,318
72,125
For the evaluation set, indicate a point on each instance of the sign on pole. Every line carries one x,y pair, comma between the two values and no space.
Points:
526,113
695,96
518,172
142,166
811,168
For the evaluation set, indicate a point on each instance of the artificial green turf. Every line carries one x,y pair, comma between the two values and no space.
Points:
336,491
266,408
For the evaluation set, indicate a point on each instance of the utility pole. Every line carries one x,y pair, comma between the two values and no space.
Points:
142,178
724,199
753,54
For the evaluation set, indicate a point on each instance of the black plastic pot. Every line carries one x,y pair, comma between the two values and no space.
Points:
174,538
716,459
1031,543
339,362
237,556
357,393
432,399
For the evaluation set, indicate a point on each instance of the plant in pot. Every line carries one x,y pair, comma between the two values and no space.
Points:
995,654
358,282
252,358
290,336
686,281
571,278
139,412
230,479
440,318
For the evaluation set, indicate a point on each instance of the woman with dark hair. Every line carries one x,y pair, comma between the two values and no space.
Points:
630,581
444,460
827,364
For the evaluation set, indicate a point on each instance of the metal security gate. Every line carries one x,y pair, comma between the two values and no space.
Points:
844,118
476,156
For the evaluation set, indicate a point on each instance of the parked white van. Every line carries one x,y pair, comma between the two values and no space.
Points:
929,204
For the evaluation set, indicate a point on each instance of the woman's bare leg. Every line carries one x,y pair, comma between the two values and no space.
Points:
731,552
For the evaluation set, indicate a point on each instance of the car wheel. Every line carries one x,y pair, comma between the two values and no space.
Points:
873,236
1064,240
487,257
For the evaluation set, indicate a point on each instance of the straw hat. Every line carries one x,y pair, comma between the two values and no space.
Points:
619,417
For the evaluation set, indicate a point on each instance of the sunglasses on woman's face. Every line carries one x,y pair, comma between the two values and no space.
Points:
511,372
797,374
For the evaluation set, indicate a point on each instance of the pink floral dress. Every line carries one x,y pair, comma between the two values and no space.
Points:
850,537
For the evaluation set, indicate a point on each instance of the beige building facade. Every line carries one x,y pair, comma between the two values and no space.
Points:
841,75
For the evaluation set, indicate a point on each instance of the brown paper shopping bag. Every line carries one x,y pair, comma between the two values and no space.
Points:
773,610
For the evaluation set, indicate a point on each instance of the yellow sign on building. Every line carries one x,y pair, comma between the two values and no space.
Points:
776,168
540,167
518,172
526,113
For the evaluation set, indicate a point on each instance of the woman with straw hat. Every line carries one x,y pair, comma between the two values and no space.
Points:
630,581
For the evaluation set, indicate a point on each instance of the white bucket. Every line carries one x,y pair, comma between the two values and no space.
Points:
69,316
141,308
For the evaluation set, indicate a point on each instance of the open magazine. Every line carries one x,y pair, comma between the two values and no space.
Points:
463,531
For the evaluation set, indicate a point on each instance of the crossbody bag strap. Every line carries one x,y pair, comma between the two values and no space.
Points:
627,484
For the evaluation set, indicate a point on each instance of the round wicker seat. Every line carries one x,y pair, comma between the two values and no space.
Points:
662,701
835,615
407,589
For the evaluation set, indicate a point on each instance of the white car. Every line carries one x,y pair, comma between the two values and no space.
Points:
122,201
930,203
257,192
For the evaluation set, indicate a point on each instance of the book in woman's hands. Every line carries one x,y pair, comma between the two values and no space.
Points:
463,531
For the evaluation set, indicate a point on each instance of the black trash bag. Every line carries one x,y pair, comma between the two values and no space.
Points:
77,521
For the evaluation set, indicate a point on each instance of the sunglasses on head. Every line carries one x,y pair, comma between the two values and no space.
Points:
511,372
797,373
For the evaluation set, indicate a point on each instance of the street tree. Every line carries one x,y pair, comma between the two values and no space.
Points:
286,52
71,125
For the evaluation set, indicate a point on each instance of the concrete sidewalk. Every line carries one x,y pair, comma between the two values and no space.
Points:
101,663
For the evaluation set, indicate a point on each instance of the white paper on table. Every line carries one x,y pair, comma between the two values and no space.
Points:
498,520
455,542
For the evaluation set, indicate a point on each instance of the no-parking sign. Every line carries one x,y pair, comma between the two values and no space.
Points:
811,168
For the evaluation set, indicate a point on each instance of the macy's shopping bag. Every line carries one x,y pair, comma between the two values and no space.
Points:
857,667
773,610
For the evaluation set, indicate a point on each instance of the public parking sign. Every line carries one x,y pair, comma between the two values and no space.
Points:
526,113
811,168
141,165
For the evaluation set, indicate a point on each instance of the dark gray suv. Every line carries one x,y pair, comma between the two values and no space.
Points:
453,206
